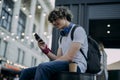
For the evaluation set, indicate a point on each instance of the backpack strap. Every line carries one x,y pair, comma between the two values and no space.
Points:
72,32
72,37
83,54
60,39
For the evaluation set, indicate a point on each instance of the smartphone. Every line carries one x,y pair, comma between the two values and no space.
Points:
38,38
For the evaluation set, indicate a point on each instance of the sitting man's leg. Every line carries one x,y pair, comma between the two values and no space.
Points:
28,74
45,70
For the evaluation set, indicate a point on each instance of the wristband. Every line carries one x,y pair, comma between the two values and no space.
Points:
46,50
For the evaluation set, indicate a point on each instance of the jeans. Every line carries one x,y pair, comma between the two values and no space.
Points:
45,71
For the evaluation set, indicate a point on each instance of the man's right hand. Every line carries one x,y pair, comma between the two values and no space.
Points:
44,47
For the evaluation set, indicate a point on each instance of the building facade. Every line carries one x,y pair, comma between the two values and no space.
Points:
19,20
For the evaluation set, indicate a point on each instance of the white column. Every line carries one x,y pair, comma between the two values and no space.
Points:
50,27
30,20
42,24
15,16
29,27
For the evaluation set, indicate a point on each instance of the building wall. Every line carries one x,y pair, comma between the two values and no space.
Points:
14,44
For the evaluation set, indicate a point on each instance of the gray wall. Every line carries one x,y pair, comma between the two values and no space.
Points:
109,11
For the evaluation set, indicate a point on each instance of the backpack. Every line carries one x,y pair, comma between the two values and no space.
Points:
93,55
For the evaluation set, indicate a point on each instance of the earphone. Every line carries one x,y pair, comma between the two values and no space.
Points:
65,31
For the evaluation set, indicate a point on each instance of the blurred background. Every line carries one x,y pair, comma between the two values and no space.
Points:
19,20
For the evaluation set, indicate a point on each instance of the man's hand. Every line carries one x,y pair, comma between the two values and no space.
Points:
44,47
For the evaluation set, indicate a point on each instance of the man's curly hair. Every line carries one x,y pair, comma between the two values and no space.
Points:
60,12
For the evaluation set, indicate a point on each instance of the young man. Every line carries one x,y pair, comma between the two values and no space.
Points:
68,50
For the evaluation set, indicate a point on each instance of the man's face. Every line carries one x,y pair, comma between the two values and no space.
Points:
59,23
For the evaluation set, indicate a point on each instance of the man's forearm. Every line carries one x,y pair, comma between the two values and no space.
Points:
51,56
64,58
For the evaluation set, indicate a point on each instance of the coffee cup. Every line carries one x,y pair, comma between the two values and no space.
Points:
72,67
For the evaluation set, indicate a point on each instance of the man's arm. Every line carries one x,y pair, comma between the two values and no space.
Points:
74,48
48,52
53,56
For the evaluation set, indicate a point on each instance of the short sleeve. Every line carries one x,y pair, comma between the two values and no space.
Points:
79,35
59,42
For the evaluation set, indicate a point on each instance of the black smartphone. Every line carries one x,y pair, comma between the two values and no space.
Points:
38,38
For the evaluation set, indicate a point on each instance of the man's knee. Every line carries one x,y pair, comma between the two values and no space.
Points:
24,71
29,70
42,66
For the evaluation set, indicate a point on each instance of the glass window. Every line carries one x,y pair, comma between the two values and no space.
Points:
18,57
0,41
3,13
21,56
0,44
21,24
4,5
34,28
4,48
6,21
33,62
6,15
9,19
31,45
0,22
4,24
8,26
